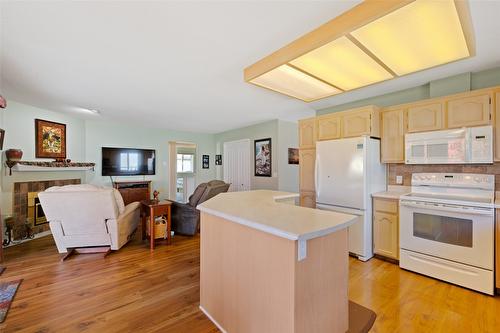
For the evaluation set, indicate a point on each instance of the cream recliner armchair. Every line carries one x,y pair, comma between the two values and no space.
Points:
88,216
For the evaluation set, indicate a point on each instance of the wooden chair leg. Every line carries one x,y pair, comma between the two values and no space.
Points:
68,254
83,250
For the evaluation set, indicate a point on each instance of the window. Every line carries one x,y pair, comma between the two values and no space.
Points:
185,163
129,161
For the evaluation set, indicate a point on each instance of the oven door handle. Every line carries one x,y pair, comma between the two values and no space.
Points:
448,208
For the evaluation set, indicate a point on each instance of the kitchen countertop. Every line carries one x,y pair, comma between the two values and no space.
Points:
264,210
393,192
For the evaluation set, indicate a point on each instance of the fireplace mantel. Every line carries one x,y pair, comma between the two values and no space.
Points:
23,166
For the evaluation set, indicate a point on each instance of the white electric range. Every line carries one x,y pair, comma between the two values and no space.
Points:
447,228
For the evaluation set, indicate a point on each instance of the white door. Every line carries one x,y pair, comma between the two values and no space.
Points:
340,168
237,165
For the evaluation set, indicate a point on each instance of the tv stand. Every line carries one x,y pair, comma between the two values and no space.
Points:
132,191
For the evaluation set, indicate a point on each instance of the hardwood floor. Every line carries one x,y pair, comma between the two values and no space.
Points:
134,291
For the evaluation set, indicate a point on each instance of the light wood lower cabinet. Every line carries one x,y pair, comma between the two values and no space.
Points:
308,199
469,111
386,228
497,251
393,136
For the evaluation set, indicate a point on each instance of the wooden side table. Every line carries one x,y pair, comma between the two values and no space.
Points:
151,209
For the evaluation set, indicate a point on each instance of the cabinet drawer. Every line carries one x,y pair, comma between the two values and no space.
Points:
385,205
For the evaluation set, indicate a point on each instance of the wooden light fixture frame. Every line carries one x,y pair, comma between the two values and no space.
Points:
342,25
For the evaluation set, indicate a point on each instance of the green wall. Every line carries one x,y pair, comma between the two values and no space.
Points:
446,86
84,141
283,135
19,126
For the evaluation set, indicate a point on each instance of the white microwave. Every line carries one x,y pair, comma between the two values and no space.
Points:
471,145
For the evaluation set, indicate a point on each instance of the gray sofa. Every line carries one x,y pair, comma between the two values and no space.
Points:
185,216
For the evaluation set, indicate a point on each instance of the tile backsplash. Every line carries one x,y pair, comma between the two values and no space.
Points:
406,171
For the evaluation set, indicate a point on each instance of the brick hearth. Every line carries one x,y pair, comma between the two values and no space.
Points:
20,203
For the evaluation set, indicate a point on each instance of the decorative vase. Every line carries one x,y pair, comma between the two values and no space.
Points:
14,155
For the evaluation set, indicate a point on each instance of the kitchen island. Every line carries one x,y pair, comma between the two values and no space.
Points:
270,266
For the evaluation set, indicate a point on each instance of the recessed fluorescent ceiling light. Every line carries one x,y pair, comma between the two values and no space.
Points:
373,42
423,34
342,64
290,81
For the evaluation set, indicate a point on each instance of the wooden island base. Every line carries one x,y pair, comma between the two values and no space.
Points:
252,281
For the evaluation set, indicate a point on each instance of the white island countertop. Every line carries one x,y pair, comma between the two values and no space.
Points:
262,210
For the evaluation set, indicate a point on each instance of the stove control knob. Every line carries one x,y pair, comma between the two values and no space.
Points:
477,179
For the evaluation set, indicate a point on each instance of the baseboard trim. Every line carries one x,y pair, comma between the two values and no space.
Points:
212,319
384,258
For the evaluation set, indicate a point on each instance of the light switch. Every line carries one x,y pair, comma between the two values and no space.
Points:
399,180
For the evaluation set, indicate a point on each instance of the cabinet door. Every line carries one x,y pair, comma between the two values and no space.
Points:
497,127
425,118
307,133
497,247
393,137
307,159
385,235
308,199
356,124
328,127
469,111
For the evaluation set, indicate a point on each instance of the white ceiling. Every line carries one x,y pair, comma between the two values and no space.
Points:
179,65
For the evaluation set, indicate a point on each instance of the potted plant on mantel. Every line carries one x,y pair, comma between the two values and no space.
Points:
13,156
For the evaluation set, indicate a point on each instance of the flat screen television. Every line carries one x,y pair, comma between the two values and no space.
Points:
128,161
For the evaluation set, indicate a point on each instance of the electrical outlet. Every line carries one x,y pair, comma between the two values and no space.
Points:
399,180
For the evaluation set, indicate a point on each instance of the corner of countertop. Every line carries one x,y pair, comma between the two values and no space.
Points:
393,192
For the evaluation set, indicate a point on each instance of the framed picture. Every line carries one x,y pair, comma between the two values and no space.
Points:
262,151
218,159
293,156
2,136
206,164
50,139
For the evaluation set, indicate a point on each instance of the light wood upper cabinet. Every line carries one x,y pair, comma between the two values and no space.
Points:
427,117
361,122
357,123
328,127
307,159
392,138
469,111
386,227
307,133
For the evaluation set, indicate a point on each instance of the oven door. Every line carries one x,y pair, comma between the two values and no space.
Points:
453,232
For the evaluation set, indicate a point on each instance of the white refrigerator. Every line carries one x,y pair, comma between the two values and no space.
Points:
347,172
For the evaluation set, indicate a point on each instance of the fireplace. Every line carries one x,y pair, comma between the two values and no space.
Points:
35,212
28,217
